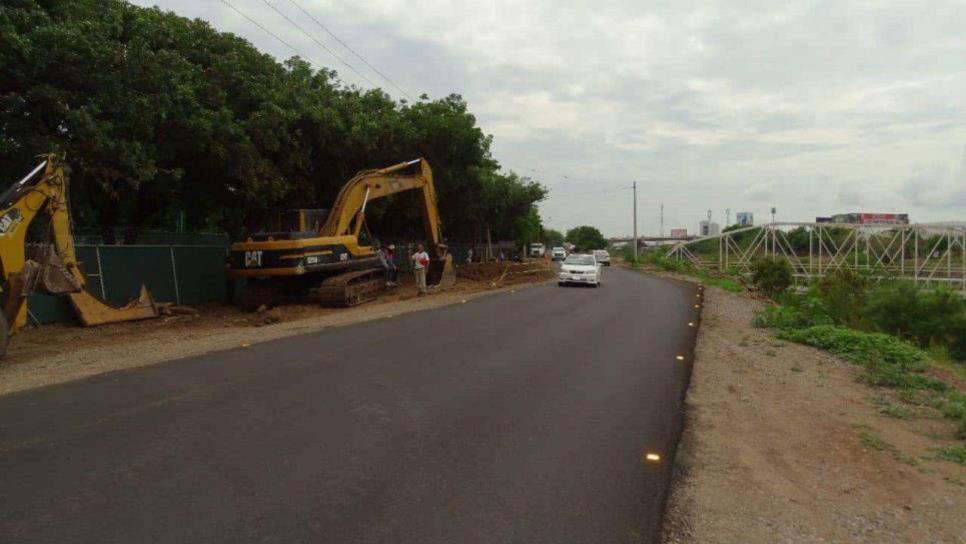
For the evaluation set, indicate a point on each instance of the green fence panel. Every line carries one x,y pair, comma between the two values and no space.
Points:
125,268
49,309
201,274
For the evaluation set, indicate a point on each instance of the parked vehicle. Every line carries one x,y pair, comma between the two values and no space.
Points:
558,254
537,250
580,269
602,256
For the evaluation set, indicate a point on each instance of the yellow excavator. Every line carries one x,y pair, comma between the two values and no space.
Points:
324,256
49,266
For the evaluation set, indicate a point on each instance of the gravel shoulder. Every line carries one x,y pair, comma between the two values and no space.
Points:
63,352
783,444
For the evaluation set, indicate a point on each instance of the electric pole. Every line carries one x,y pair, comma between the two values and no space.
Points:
727,217
634,186
662,220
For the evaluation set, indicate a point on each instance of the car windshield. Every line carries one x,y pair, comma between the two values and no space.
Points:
584,260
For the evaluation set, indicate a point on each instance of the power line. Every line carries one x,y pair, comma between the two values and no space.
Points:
320,44
272,34
351,50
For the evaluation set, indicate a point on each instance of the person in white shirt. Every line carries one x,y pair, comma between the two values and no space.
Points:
420,261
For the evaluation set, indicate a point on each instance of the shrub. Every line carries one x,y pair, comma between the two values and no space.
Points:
771,275
844,293
930,318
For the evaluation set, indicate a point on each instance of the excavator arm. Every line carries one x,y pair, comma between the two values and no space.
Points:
348,211
54,269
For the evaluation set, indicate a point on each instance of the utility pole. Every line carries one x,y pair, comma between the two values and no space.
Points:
634,186
662,220
727,217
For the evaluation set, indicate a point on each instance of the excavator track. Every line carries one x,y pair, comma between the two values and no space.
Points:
351,288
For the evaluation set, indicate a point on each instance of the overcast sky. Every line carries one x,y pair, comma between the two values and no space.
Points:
813,107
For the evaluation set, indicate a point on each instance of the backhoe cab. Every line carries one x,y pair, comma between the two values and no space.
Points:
325,257
50,266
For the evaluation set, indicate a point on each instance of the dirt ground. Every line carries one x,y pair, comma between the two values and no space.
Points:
782,444
57,353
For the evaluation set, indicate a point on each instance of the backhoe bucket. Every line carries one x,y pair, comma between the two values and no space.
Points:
441,272
93,312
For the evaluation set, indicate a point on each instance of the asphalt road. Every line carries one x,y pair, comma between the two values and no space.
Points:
520,417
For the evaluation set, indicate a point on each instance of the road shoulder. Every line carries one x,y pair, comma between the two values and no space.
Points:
783,444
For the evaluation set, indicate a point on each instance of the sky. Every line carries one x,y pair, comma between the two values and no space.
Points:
814,108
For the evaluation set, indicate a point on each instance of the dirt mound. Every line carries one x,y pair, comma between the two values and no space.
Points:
505,273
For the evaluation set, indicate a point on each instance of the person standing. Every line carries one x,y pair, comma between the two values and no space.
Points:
392,271
420,261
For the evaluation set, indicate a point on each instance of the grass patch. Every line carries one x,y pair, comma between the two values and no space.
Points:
888,409
859,347
953,454
873,442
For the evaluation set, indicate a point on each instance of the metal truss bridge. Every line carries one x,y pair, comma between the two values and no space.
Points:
927,254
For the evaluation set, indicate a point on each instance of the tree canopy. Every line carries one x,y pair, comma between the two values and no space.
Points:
586,238
553,238
162,117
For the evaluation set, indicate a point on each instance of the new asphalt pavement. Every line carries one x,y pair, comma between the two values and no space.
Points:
519,417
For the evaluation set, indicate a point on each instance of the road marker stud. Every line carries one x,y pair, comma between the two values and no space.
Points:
697,305
651,457
680,357
690,323
463,301
245,345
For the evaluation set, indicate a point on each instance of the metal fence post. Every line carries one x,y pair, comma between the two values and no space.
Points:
174,274
100,271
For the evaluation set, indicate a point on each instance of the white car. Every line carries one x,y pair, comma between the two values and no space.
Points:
558,254
602,256
579,269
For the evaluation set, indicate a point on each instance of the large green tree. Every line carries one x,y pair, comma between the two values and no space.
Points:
163,118
586,238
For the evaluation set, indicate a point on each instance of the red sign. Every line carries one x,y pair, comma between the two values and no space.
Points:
679,233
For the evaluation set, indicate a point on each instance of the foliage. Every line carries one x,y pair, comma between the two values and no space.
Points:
844,293
771,275
553,238
162,117
586,238
930,318
859,347
792,316
953,454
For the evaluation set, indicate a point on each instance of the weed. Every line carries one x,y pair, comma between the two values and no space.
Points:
772,276
859,347
955,481
796,369
953,454
886,408
869,440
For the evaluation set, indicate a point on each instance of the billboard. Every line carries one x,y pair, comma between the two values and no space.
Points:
745,219
679,233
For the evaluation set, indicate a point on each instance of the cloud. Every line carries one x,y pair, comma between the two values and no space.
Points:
707,104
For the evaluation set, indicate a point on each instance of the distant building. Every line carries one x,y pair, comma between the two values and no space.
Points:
867,218
708,228
679,233
745,219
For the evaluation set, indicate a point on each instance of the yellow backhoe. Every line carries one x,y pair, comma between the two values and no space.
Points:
50,266
325,256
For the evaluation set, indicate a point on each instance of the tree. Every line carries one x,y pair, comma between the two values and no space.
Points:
163,117
586,238
553,238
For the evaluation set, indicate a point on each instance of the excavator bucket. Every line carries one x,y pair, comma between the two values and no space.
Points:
93,312
441,272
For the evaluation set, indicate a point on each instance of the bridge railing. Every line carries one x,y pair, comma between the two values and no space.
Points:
927,254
